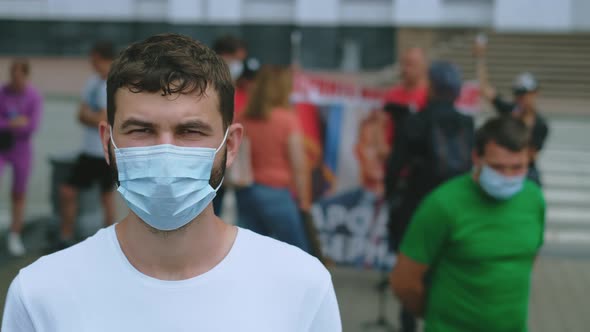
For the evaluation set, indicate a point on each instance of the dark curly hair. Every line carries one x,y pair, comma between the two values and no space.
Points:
171,63
506,131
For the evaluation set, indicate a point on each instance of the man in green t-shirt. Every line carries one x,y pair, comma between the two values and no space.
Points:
475,239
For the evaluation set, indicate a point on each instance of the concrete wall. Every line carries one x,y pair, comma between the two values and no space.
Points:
581,14
323,47
533,15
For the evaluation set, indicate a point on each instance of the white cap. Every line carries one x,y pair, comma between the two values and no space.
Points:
524,83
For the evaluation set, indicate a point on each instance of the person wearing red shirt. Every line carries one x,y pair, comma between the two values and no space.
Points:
412,90
244,85
234,52
410,95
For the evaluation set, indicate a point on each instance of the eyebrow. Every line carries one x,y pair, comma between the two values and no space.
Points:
137,123
195,124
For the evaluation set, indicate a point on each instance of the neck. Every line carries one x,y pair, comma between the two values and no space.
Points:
15,88
475,175
375,187
177,255
104,71
529,111
103,75
526,110
411,85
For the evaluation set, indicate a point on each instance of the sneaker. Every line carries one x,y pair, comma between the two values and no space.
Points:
15,245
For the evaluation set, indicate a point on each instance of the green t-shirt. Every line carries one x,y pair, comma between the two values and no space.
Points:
480,252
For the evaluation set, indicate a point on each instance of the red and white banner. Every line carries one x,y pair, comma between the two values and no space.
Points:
346,145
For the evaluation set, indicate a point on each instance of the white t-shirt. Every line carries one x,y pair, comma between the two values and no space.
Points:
95,96
262,285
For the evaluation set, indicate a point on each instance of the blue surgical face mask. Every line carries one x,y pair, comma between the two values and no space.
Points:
166,185
236,68
500,186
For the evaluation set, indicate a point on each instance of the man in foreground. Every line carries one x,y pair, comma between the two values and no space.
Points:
171,264
475,239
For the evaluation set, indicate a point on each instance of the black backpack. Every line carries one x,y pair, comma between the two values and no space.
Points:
451,141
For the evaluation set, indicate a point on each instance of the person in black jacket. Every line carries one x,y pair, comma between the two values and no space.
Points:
524,106
430,148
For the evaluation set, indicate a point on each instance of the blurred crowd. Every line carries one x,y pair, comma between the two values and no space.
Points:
463,205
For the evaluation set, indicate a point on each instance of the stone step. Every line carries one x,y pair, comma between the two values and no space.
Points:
565,181
564,149
551,159
562,69
567,237
559,147
518,62
567,198
568,216
562,246
561,167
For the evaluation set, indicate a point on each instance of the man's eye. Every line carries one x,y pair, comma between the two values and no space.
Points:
141,131
191,132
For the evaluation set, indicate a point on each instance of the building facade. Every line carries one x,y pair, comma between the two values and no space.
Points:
336,34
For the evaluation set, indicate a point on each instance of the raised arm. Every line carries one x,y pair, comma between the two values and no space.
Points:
487,91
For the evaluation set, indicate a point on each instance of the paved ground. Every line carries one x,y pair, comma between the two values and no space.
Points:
561,281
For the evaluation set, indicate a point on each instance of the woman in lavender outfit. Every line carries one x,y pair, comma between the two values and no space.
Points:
20,110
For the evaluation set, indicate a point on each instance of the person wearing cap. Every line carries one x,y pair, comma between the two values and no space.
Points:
234,52
439,127
411,93
524,106
244,85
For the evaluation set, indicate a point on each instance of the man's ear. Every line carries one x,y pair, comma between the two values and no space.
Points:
476,159
105,138
477,163
234,139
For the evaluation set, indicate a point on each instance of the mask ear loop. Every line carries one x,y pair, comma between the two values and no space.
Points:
112,141
219,148
220,183
222,142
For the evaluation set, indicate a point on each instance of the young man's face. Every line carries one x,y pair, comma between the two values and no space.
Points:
235,62
239,55
18,77
413,66
503,161
527,100
100,65
146,119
